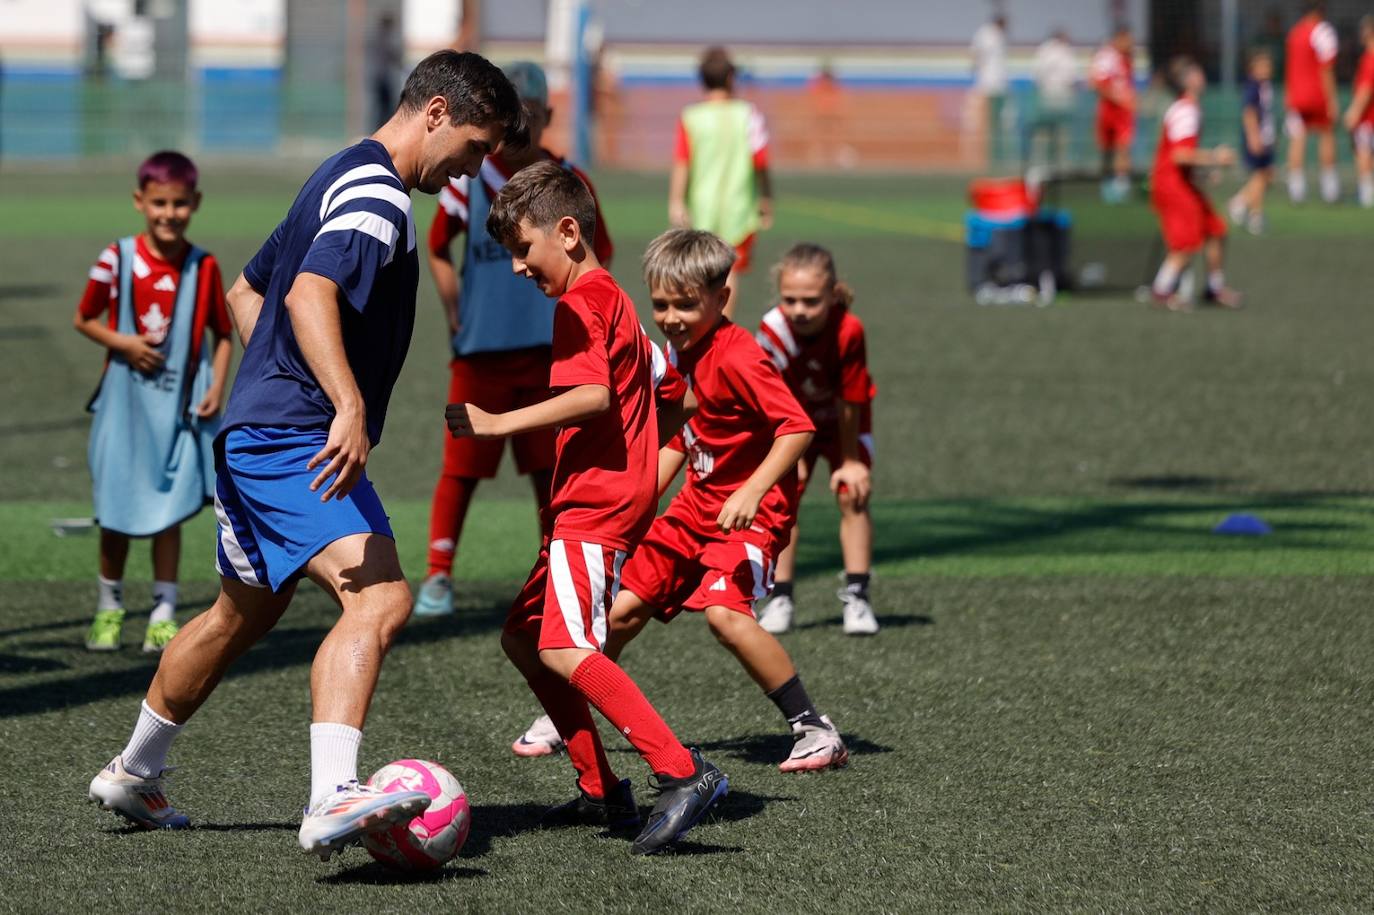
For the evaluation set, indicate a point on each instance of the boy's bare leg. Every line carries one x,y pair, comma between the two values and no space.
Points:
114,554
856,535
761,654
167,553
629,616
786,568
194,662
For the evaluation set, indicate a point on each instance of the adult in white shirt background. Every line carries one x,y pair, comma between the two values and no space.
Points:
989,48
1055,70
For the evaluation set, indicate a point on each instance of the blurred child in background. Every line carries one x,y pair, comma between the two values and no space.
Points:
1359,117
1257,142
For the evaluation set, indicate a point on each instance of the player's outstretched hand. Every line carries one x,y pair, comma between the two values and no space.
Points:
143,354
471,421
209,404
344,456
1224,155
739,510
854,478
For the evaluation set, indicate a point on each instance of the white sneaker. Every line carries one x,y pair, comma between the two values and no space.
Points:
353,811
436,596
141,801
858,614
541,739
776,616
815,747
1237,209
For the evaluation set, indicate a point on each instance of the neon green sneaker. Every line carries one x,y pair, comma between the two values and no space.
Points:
104,632
158,635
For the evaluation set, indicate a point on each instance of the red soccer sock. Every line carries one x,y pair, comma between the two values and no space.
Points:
573,718
452,496
615,696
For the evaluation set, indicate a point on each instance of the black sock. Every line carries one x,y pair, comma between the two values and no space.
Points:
782,589
857,583
795,705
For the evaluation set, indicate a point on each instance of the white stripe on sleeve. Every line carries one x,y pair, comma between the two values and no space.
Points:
397,198
1181,121
109,257
658,364
368,223
101,275
777,323
758,130
778,356
452,205
372,170
1325,42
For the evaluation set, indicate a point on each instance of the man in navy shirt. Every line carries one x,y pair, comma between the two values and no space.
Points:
325,310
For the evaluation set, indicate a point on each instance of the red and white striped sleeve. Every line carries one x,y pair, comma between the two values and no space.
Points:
451,218
101,285
1182,122
775,336
758,137
1325,43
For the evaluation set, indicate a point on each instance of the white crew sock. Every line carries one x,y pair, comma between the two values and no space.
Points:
111,593
1367,190
146,754
1216,280
1166,279
164,601
333,758
1297,185
1331,185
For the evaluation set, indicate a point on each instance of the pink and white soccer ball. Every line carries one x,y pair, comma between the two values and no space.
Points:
435,836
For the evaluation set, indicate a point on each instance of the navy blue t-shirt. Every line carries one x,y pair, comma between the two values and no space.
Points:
351,223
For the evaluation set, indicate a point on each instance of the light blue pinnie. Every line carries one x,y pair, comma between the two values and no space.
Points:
151,458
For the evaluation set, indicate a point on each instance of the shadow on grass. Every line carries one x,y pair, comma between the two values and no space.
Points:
283,648
885,621
376,874
246,827
770,749
18,664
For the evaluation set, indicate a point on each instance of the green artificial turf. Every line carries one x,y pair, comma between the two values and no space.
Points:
1081,698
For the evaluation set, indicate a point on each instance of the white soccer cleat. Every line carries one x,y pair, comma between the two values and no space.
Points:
1237,210
815,747
859,618
776,616
541,739
353,811
141,801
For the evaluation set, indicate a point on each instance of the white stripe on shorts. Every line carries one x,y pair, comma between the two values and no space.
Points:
565,592
243,569
763,573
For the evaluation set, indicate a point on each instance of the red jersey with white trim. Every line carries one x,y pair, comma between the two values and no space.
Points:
743,405
1112,70
154,289
1364,79
1181,128
822,369
1311,50
605,478
451,218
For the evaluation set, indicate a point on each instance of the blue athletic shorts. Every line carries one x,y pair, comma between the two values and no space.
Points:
270,523
1253,162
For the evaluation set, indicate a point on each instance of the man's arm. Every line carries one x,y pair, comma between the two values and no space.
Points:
852,473
245,304
446,282
572,406
313,307
739,510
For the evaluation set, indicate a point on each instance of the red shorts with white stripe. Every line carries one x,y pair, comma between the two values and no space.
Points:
568,594
678,568
1186,217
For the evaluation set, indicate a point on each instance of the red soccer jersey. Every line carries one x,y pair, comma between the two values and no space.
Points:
1364,79
1112,70
154,287
605,478
822,369
1311,50
743,404
1182,125
451,218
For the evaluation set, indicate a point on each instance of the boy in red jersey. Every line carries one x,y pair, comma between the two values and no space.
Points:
1310,96
712,550
1359,117
818,345
1113,77
161,386
1186,217
602,503
499,327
